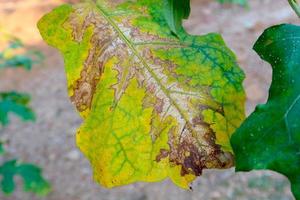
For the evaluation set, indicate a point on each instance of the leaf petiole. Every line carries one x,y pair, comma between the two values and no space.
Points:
296,7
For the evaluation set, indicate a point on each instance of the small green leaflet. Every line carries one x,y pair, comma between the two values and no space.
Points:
270,137
154,106
174,12
16,103
31,175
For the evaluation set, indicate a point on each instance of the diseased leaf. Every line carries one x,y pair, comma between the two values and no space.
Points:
153,106
31,175
270,137
175,11
16,103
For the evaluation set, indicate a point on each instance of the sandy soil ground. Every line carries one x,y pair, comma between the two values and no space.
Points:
50,141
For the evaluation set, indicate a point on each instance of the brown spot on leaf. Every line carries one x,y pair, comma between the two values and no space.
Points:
159,105
163,154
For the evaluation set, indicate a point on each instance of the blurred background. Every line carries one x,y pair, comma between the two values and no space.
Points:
49,141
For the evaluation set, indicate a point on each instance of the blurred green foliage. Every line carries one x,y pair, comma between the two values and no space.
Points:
240,2
18,103
31,175
9,57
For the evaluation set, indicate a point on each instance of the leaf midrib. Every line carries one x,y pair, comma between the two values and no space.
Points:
128,43
285,117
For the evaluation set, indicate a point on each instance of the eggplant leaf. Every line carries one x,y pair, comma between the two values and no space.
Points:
270,137
154,106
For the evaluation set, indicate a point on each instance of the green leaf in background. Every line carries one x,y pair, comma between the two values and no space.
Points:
9,57
240,2
31,175
154,106
174,12
16,103
15,43
270,136
16,61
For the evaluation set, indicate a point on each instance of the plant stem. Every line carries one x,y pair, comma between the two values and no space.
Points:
294,4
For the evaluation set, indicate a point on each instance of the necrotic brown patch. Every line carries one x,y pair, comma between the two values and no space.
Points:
192,158
93,67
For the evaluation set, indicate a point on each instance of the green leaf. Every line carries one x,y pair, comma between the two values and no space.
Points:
16,103
174,12
270,136
10,57
17,61
154,106
32,178
240,2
